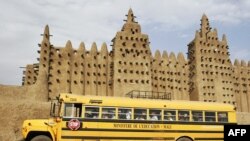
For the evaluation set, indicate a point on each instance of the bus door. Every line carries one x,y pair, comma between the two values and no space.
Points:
72,121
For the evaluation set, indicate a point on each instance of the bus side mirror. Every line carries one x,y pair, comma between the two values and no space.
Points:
53,109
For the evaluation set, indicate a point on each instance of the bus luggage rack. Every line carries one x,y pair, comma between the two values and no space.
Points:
149,95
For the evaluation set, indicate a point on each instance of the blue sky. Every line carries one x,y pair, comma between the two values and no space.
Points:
170,25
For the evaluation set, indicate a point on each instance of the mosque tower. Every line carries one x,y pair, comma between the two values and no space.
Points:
131,60
210,68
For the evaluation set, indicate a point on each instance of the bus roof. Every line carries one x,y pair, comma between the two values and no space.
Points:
144,103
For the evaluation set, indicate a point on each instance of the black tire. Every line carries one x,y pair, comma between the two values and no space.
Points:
41,138
184,139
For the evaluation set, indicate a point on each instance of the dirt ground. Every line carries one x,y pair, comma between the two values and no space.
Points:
14,110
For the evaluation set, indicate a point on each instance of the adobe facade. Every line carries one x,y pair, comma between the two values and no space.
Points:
207,74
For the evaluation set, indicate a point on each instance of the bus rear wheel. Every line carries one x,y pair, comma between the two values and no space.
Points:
41,138
184,139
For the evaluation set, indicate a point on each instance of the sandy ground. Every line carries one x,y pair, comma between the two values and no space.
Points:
18,103
13,113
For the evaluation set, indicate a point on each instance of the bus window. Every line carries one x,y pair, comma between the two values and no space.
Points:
73,110
91,112
183,115
155,114
197,116
108,113
222,117
170,115
124,113
210,116
140,114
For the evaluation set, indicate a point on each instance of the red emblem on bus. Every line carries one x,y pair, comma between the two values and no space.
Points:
74,124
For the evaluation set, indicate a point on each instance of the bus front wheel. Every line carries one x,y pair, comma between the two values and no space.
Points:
41,138
184,139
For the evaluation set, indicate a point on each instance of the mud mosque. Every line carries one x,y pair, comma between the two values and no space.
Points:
207,74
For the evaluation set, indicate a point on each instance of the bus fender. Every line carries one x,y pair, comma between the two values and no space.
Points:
33,133
51,134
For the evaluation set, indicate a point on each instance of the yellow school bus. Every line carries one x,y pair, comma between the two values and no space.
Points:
89,118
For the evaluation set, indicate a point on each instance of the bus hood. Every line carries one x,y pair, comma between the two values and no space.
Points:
37,125
39,122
